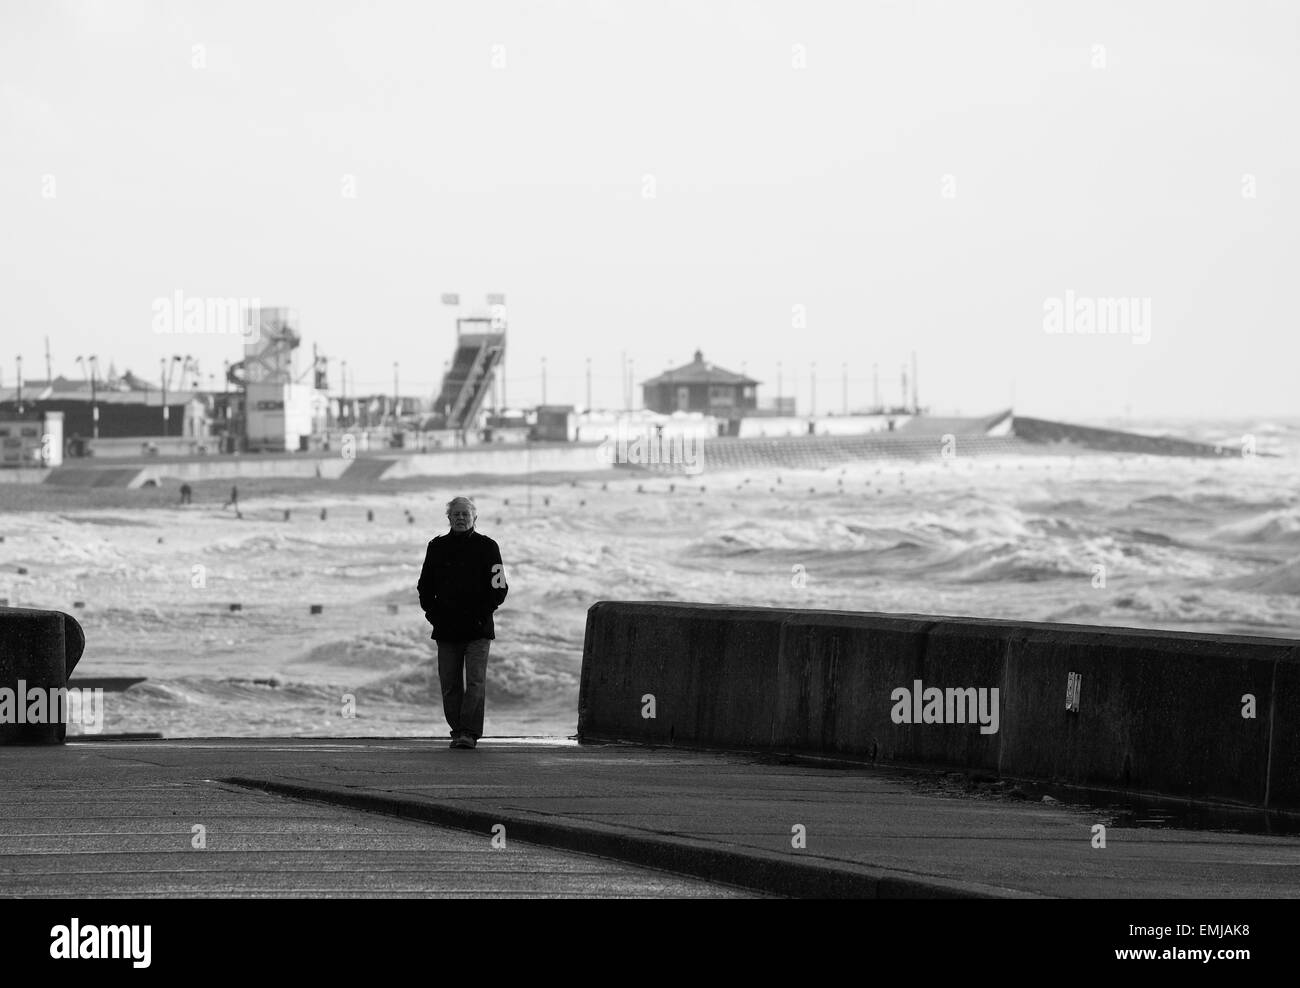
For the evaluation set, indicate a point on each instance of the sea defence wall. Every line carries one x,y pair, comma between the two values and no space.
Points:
94,477
1042,431
819,452
495,459
36,476
38,650
500,458
1177,714
918,438
330,468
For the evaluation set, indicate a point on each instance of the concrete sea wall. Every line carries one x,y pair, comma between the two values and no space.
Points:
329,468
847,439
38,650
1046,432
1196,716
506,459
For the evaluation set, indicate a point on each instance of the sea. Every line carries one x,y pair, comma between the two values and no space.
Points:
308,624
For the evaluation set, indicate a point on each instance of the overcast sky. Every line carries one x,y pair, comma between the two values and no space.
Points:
657,177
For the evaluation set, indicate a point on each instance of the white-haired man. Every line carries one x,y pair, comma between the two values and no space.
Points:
461,584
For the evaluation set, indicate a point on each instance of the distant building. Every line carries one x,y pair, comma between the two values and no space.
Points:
118,414
32,440
701,387
555,423
284,417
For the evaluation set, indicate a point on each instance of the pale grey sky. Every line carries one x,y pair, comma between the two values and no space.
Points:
915,175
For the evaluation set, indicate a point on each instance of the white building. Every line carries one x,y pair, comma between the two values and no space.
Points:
284,417
31,442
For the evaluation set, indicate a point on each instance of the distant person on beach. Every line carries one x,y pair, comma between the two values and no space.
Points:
186,493
234,500
461,583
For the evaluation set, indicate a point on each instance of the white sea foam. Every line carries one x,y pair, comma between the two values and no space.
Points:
1202,545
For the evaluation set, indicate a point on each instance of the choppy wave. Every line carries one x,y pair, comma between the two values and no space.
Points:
1274,528
1281,579
1209,546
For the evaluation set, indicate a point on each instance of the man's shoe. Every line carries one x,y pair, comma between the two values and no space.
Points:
468,741
457,740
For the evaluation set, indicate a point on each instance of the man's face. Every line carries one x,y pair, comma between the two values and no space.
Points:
461,517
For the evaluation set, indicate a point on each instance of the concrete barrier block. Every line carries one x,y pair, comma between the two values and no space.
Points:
835,674
74,643
1158,711
1282,711
961,673
1195,716
709,669
38,651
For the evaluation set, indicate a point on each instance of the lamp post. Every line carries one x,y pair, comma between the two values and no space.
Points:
163,376
167,412
94,406
344,419
94,399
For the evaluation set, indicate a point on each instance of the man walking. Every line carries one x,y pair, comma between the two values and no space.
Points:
461,584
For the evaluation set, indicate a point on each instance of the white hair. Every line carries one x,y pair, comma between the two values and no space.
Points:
462,500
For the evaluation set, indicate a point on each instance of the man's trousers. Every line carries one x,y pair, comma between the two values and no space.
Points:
462,671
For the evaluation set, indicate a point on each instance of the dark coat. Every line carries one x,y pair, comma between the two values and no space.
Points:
461,584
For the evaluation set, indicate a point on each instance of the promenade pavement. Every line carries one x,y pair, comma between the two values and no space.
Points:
317,817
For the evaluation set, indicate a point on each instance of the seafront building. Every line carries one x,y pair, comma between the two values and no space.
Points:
266,403
701,387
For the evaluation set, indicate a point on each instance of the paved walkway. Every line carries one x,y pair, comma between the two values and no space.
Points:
364,817
117,820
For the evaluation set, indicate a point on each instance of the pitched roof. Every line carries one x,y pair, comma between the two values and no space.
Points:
698,372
